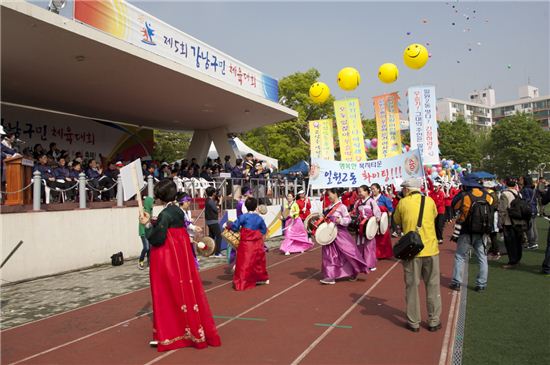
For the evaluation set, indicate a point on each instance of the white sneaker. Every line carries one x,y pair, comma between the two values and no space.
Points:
327,281
153,343
372,269
287,253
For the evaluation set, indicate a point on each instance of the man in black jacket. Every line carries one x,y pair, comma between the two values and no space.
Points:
211,213
545,199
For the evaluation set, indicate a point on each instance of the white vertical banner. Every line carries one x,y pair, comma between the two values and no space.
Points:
132,175
423,123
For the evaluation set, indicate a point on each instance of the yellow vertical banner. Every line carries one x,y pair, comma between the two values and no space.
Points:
350,130
386,111
321,139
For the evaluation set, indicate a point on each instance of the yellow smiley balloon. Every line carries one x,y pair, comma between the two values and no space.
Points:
319,92
415,56
348,78
388,73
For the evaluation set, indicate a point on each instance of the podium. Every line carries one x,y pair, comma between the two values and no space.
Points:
18,175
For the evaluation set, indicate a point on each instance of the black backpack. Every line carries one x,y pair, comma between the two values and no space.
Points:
117,259
480,215
519,209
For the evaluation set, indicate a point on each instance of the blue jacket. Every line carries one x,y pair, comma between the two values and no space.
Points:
92,174
45,171
61,172
529,195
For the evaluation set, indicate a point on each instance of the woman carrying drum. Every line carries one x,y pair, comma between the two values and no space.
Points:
366,208
342,257
383,241
296,239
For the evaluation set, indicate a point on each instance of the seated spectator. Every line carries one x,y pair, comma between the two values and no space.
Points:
78,157
63,178
151,171
165,171
38,151
98,181
206,173
113,171
54,153
45,172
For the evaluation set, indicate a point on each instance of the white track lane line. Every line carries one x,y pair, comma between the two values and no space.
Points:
137,317
348,311
451,325
242,313
88,305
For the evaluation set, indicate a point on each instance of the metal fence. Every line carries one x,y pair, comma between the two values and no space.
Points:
270,191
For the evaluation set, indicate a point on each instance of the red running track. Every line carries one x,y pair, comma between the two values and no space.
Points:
281,323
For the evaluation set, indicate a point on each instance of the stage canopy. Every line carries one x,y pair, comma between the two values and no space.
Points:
61,64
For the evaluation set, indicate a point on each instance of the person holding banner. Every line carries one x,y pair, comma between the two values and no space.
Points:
383,241
181,313
367,208
296,239
342,257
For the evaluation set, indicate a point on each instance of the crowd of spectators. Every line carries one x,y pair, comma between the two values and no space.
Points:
60,171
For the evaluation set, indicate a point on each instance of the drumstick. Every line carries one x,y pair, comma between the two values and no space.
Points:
138,191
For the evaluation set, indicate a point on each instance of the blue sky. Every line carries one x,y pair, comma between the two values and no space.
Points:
509,41
280,38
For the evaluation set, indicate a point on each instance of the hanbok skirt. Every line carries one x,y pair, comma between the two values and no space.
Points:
342,258
296,238
181,314
250,266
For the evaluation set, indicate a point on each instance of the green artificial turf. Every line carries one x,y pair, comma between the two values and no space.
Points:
509,323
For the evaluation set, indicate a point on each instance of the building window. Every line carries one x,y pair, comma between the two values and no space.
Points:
484,94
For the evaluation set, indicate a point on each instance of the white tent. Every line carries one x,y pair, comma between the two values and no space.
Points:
242,150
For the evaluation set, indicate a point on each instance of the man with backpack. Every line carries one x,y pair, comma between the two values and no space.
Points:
475,221
513,217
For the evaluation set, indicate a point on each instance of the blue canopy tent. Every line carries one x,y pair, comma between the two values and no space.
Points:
302,167
482,175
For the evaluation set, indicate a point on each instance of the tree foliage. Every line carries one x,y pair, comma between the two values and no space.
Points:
458,142
288,141
516,145
170,146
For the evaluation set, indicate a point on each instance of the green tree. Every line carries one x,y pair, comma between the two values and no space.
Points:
516,145
170,146
459,142
288,141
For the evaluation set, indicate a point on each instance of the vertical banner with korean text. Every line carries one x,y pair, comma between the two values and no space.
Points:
423,123
387,125
321,139
350,130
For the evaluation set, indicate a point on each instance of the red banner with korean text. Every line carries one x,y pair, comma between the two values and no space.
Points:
387,125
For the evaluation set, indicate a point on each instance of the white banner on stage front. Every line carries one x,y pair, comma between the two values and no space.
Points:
339,174
423,123
128,175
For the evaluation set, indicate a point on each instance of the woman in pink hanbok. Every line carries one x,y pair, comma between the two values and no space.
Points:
296,238
341,258
366,208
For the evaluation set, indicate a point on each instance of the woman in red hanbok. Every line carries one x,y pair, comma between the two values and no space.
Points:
181,314
250,268
384,248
